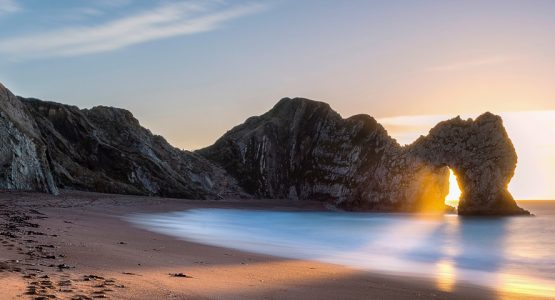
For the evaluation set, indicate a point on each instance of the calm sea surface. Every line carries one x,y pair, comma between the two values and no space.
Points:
514,254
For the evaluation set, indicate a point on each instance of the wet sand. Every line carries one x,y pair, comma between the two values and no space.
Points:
77,246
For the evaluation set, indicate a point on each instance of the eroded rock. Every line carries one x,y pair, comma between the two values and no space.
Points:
23,158
481,155
105,149
302,149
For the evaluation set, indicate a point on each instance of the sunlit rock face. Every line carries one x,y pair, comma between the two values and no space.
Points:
302,149
23,157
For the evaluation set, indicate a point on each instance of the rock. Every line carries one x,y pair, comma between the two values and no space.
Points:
180,275
482,156
105,149
302,149
23,158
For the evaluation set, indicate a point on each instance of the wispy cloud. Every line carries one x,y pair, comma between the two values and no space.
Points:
113,3
9,6
460,65
164,21
96,8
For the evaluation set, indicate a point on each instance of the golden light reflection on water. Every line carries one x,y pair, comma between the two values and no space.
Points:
445,275
510,257
516,284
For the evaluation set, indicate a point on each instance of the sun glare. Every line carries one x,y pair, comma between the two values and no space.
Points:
535,173
454,191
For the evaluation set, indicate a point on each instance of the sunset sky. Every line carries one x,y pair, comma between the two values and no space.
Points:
190,70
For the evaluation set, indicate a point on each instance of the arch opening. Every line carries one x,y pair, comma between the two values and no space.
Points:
452,198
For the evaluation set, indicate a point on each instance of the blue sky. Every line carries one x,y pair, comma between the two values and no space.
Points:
190,70
385,58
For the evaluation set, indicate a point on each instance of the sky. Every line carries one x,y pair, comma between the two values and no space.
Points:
191,70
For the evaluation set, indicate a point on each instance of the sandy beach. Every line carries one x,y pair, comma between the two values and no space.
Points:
78,246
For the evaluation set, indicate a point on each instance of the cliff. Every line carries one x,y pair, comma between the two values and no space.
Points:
23,158
300,149
46,146
105,149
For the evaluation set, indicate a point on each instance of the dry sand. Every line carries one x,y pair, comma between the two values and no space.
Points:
77,246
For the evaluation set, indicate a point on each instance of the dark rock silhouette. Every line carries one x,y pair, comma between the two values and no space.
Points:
301,149
105,149
46,146
481,155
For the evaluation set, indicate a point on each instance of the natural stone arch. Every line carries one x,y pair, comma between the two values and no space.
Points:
302,149
482,157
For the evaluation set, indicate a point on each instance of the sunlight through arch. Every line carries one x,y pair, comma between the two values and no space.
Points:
454,190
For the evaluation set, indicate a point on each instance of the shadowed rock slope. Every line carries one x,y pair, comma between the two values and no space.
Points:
105,149
46,146
23,158
302,149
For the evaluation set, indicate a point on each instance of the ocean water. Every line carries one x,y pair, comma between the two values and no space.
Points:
514,254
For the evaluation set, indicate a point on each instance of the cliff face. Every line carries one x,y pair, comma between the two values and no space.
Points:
302,149
105,149
23,158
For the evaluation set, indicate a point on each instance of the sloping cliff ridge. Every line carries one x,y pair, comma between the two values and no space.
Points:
300,149
46,146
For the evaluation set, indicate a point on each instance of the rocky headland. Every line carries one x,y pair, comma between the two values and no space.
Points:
300,149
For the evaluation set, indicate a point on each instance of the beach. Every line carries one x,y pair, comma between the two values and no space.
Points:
78,245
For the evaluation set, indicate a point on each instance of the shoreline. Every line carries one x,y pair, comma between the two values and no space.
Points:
80,241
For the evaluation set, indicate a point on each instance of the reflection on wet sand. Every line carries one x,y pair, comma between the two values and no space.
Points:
449,249
445,275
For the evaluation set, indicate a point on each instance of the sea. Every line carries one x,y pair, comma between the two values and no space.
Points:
509,254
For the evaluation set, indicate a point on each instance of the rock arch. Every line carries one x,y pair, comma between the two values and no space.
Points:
482,157
302,149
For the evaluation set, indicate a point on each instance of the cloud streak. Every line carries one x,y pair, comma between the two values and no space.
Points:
165,21
473,63
9,6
